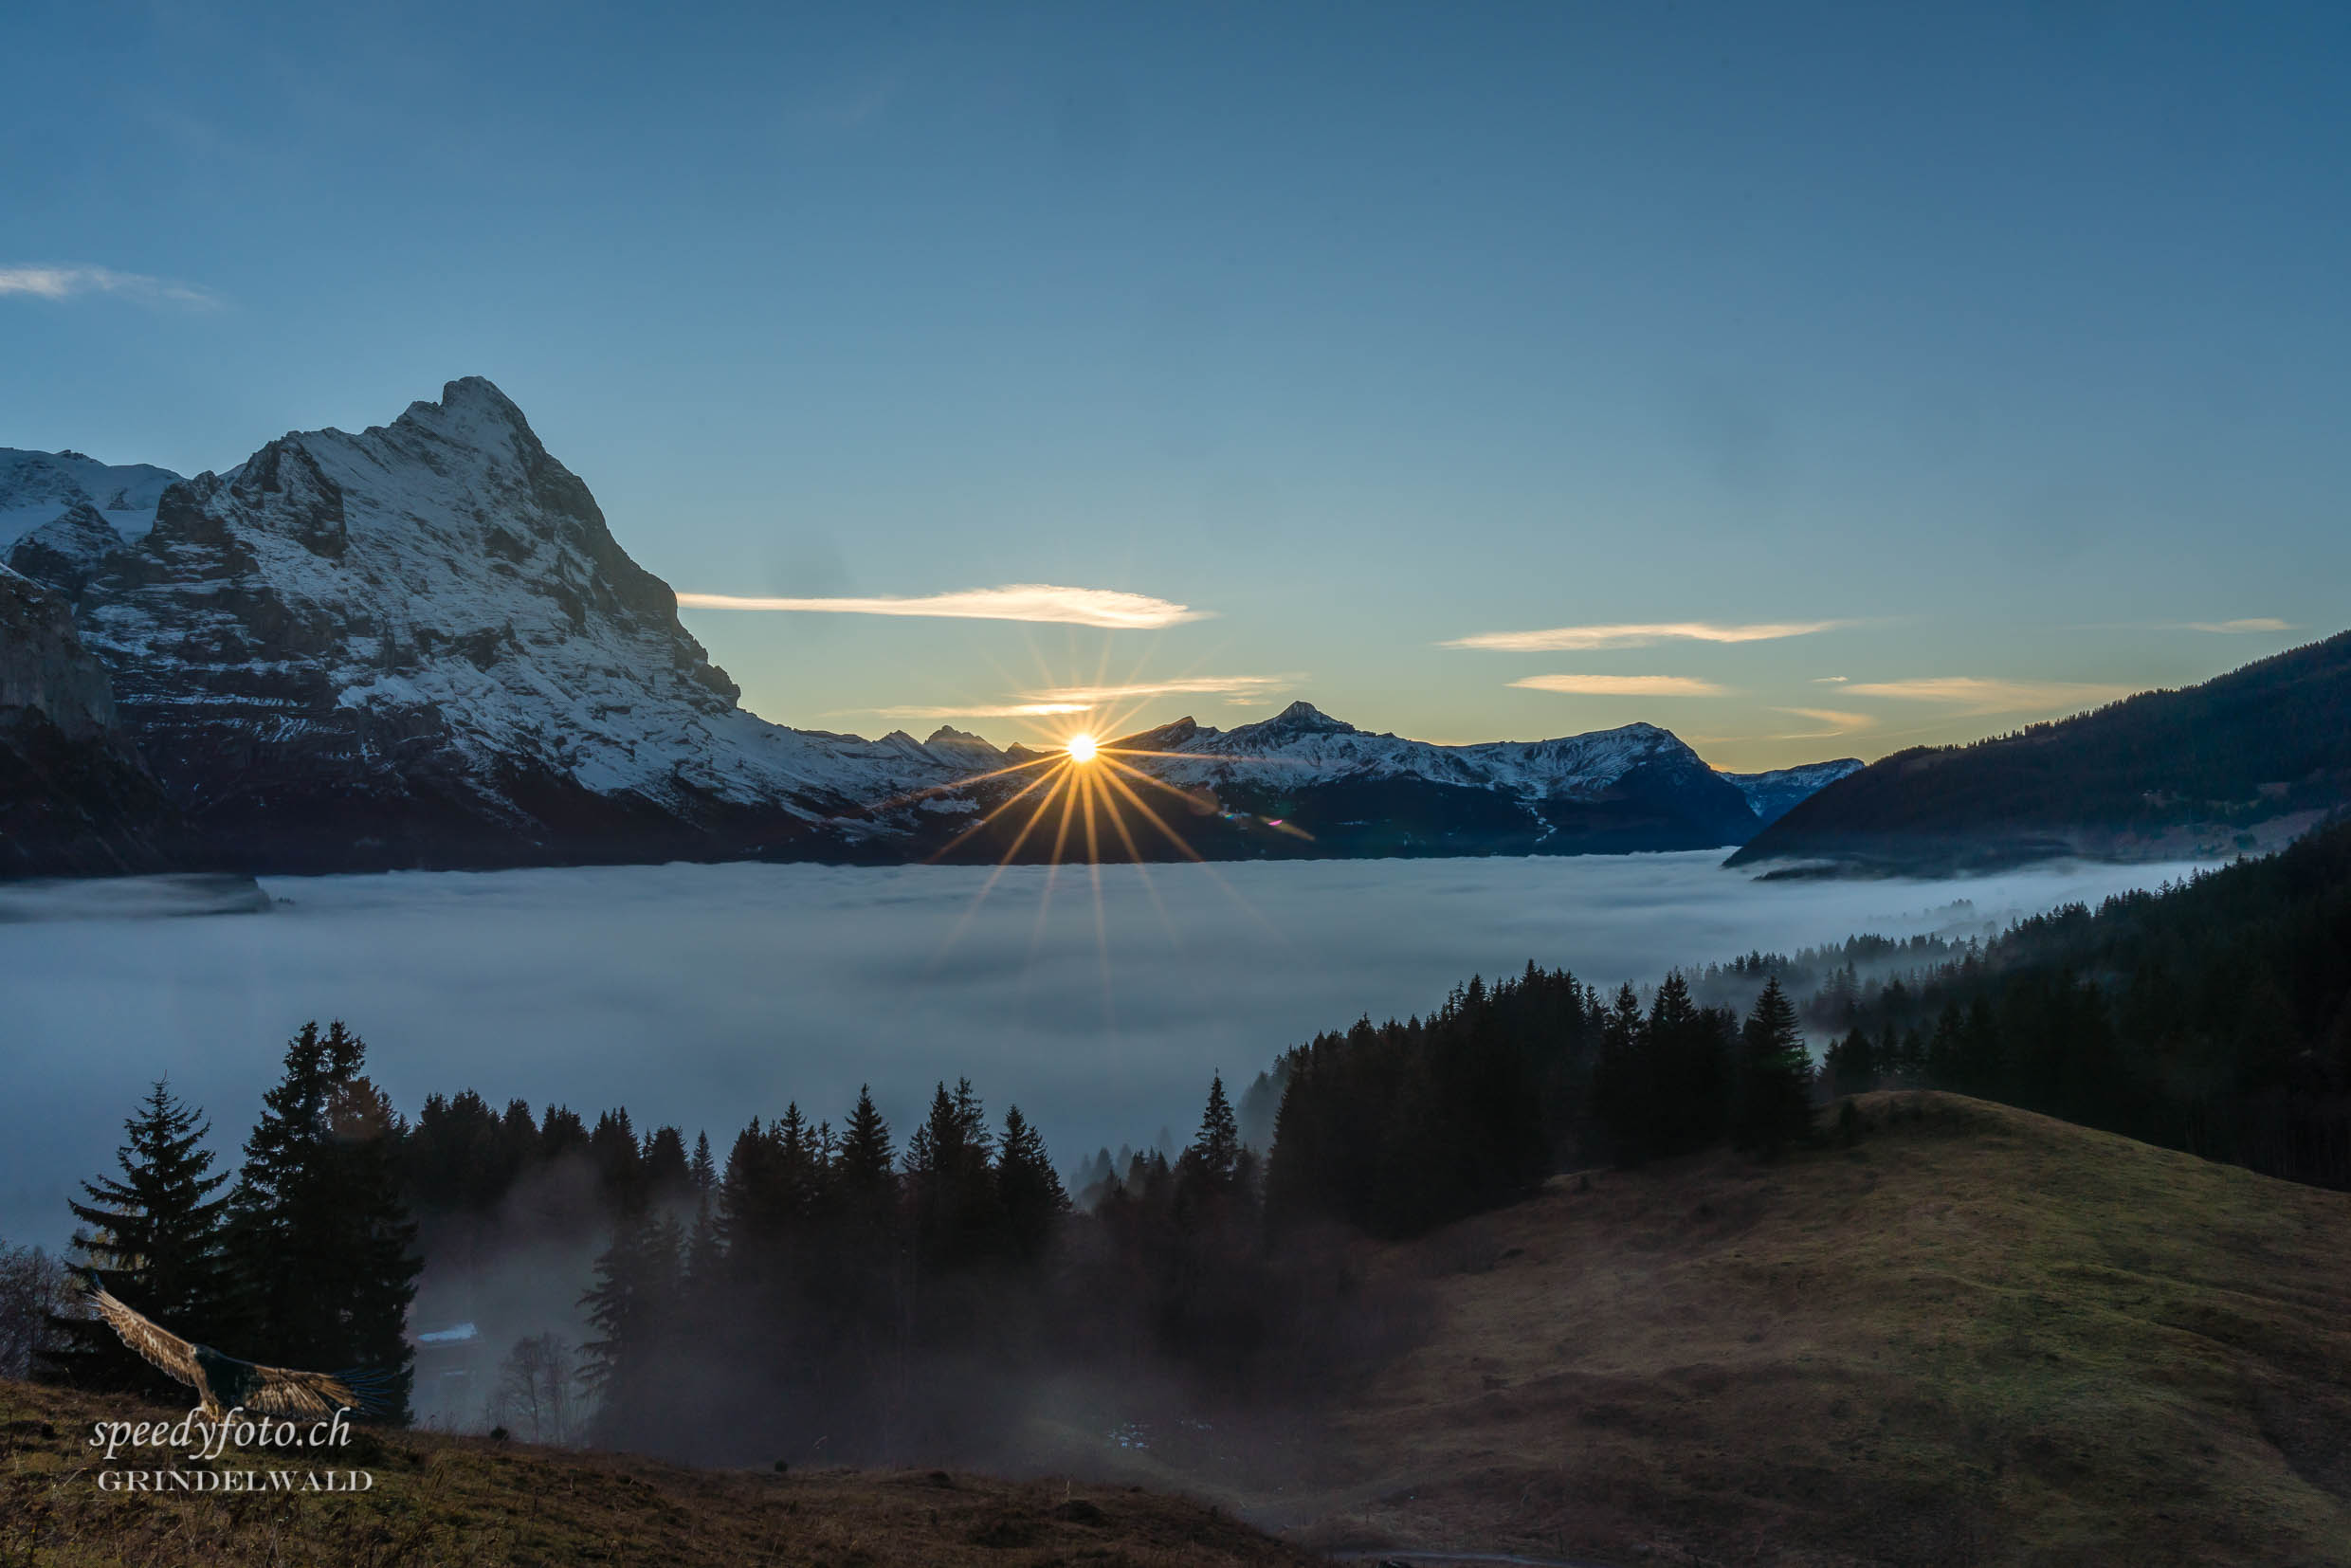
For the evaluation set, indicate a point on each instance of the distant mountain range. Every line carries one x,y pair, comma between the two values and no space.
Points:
420,645
2242,762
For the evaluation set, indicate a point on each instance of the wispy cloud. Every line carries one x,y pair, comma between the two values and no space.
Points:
2254,623
1239,688
1831,680
982,710
1042,602
64,283
1977,695
1839,723
1053,701
1623,686
1586,638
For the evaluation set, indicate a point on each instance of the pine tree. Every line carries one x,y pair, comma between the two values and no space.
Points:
633,1307
1776,1075
619,1162
1215,1152
319,1235
1030,1196
949,1183
663,1169
863,1165
154,1239
1853,1064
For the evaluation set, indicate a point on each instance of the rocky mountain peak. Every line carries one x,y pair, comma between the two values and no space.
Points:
66,552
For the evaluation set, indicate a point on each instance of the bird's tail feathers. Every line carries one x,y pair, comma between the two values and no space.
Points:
375,1390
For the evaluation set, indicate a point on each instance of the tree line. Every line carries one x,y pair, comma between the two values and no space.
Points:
2213,1015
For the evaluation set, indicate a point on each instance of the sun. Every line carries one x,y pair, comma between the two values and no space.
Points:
1082,747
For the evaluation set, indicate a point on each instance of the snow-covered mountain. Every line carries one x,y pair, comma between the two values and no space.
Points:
1773,795
1305,784
1302,743
420,645
35,487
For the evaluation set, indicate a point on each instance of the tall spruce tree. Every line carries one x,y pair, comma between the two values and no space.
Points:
863,1166
320,1241
154,1236
1215,1152
634,1306
1029,1197
1774,1079
949,1181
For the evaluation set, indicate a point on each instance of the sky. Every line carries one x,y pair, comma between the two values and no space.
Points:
1812,380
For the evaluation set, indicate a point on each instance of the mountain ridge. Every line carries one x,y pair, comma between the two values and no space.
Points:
420,644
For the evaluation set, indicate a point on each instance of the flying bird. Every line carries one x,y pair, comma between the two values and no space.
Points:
223,1382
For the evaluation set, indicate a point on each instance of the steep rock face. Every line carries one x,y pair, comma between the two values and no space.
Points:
67,552
73,798
45,670
421,646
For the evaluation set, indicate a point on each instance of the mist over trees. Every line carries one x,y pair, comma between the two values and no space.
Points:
2212,1016
852,1291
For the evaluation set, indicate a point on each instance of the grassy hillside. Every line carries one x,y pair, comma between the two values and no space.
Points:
2163,775
1977,1337
462,1501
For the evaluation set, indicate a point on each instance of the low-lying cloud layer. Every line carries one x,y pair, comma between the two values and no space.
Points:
705,995
1041,602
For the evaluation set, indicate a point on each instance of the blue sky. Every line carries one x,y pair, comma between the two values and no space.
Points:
2003,347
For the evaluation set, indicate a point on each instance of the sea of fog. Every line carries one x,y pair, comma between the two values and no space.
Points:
706,995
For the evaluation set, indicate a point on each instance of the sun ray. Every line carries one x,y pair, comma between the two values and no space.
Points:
996,871
1102,918
1173,837
1149,815
1052,870
1007,804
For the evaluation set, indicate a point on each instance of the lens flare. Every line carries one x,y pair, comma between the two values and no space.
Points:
1082,747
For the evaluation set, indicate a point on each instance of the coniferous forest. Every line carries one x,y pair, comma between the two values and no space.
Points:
855,1290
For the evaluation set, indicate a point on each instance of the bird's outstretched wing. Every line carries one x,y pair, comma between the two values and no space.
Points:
164,1350
284,1392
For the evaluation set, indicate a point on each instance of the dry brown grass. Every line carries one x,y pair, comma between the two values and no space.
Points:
466,1501
1978,1337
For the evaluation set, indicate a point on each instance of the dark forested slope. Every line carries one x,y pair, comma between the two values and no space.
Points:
2236,761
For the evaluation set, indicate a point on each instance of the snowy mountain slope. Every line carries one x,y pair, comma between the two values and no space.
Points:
1302,745
1305,784
420,644
36,487
1772,795
67,550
